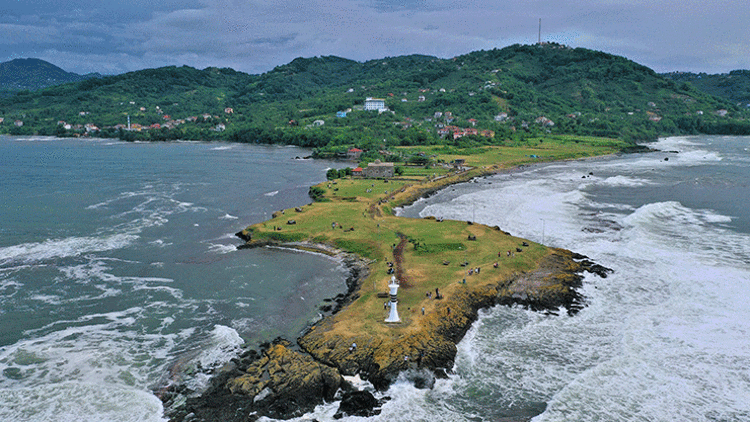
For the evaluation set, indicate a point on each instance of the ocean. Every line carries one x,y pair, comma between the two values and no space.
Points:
118,268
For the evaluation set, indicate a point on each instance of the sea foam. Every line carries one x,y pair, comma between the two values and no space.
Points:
62,248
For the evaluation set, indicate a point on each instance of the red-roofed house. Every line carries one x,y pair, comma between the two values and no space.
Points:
357,172
353,154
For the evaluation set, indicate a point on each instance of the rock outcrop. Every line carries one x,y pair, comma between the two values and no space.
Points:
280,383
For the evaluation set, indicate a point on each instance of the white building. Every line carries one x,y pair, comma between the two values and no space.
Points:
374,104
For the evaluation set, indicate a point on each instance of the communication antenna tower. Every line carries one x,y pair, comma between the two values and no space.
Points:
540,31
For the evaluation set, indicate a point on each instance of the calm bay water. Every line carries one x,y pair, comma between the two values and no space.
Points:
117,260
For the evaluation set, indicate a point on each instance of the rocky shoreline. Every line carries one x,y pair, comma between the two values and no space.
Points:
286,379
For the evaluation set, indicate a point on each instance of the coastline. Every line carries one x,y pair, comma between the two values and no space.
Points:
288,379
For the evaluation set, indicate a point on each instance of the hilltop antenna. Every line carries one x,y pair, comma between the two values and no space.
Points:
540,31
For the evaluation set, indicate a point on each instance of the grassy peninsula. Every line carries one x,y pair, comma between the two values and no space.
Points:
432,258
356,215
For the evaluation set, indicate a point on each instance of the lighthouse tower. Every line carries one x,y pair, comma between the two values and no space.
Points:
393,315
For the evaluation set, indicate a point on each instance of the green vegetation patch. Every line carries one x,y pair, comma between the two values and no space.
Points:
367,249
279,236
429,248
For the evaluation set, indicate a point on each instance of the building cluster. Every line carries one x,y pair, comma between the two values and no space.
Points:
168,123
456,132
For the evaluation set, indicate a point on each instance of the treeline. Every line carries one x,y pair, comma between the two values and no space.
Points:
733,86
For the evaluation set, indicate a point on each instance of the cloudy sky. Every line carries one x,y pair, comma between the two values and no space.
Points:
110,37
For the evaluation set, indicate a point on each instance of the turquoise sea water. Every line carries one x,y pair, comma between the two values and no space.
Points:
118,267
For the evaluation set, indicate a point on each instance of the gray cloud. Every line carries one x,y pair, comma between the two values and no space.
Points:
255,36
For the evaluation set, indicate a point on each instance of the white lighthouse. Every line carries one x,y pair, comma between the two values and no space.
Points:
393,315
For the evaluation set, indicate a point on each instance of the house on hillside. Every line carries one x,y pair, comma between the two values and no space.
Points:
340,114
229,110
374,104
544,121
18,123
378,169
353,154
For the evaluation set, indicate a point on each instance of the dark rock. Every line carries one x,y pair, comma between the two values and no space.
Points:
358,403
244,235
422,379
441,373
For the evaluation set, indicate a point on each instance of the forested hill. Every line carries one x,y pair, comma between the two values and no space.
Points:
734,86
34,74
485,97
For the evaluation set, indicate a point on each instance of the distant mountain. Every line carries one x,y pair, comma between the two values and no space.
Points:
484,97
734,86
35,74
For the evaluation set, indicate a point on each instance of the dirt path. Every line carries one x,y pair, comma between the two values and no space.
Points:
398,262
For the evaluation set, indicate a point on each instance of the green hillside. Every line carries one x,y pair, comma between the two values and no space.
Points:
501,97
33,74
733,86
